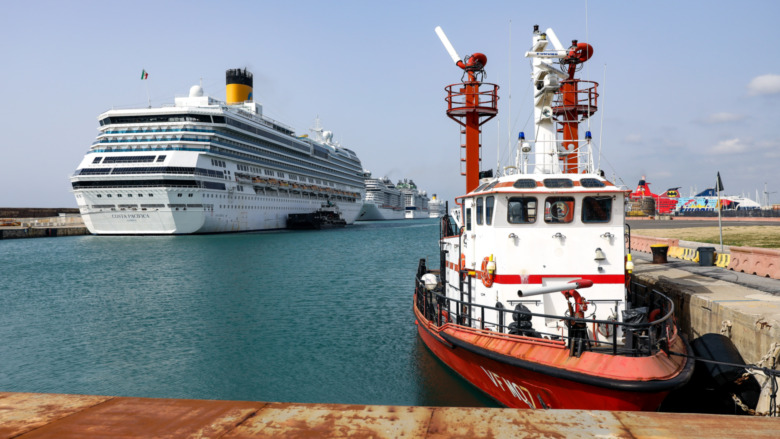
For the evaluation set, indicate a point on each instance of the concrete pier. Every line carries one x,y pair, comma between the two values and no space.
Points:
40,232
39,223
747,312
32,415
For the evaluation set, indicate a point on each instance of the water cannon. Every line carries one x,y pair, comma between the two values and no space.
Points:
578,284
470,103
579,52
475,62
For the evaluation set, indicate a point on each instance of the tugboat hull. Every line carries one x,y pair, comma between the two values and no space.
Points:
518,383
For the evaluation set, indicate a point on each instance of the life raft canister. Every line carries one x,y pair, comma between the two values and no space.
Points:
488,272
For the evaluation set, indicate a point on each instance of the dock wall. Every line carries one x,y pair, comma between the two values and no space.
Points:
703,305
40,232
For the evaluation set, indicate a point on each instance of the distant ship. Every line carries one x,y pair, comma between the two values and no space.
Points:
435,207
707,201
206,166
643,201
387,201
415,201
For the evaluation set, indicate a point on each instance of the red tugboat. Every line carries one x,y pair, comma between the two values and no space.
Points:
530,302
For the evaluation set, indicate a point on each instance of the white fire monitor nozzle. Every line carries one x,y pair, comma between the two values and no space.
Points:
578,284
447,45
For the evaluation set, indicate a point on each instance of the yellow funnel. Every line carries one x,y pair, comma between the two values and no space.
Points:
239,86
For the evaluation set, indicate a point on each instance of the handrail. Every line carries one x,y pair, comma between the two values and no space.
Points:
645,338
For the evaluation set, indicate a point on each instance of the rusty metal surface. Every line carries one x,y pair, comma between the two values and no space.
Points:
672,425
23,412
29,415
512,423
336,421
150,418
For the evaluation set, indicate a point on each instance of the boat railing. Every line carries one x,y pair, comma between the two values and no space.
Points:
530,161
649,332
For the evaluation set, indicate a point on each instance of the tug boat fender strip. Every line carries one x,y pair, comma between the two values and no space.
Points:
630,386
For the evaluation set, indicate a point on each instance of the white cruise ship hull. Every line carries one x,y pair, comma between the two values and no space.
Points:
252,216
416,213
372,212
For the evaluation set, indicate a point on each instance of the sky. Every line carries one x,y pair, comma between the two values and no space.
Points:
687,88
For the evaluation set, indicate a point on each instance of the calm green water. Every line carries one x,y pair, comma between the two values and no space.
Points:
310,316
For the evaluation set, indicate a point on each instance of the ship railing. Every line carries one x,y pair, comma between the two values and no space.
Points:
530,162
636,338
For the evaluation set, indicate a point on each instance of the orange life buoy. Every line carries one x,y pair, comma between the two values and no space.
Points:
654,314
487,278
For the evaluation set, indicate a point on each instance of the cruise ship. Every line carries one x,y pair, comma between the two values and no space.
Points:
383,201
387,201
436,207
207,166
415,201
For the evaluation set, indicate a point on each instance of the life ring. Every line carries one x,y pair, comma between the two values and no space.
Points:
654,314
559,210
487,278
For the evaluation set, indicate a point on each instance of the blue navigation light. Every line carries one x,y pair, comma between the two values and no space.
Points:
521,136
587,135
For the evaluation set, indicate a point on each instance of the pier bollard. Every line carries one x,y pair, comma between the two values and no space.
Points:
660,252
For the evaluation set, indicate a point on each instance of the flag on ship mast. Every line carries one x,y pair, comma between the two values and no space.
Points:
144,75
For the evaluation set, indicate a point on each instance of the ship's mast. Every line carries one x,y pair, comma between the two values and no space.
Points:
561,102
470,106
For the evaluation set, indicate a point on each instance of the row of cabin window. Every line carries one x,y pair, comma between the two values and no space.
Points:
557,210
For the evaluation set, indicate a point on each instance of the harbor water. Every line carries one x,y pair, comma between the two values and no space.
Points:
305,316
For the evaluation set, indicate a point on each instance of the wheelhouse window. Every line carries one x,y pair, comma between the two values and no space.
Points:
489,203
521,210
558,183
596,209
480,201
591,182
468,219
559,210
525,183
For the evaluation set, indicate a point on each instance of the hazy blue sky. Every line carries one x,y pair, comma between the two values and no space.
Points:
692,87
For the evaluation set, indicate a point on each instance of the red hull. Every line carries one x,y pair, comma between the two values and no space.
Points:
519,387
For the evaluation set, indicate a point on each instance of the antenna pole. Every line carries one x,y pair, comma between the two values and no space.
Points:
509,109
601,135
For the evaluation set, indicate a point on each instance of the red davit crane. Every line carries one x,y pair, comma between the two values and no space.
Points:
470,106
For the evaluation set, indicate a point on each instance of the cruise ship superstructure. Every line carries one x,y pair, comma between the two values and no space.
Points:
383,200
415,201
206,166
387,201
